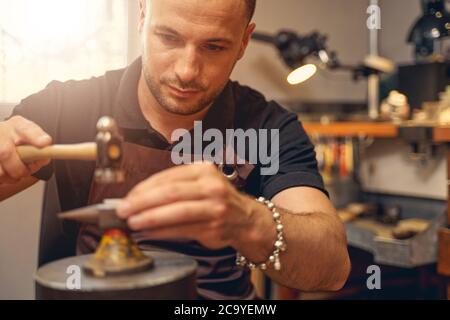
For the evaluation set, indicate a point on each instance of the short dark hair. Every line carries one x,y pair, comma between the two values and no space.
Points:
251,5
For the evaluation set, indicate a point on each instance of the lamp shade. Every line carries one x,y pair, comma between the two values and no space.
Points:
301,74
430,27
433,25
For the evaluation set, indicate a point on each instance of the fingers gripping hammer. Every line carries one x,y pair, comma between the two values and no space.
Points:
106,151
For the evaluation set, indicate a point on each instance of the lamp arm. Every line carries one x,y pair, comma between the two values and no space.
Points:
288,44
263,37
357,71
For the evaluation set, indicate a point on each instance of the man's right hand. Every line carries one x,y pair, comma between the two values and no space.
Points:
14,132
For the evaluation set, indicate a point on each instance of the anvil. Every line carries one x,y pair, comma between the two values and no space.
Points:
117,253
102,215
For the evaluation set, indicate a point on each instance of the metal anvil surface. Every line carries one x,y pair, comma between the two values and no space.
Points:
102,215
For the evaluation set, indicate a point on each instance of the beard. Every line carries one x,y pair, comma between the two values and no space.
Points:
175,106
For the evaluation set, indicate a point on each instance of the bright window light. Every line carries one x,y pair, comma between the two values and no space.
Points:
44,40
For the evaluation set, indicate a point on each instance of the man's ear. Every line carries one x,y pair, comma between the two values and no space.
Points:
248,34
142,14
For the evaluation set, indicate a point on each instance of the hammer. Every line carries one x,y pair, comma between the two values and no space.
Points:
106,151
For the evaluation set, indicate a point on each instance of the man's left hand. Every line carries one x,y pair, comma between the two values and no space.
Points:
192,201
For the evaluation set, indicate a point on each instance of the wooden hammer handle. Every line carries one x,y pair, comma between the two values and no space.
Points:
83,151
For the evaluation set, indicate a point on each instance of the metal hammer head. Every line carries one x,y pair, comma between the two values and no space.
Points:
109,152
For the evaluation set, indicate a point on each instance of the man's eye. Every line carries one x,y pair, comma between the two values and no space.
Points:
168,37
212,47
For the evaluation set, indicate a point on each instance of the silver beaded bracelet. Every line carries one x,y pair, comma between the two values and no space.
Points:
280,245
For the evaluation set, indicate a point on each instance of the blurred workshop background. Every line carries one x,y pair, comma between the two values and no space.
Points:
377,107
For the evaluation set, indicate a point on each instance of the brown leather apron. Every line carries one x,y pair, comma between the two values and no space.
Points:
217,277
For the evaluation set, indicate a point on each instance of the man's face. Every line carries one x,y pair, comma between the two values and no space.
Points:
190,48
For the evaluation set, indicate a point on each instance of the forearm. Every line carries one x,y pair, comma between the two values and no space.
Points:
9,190
316,257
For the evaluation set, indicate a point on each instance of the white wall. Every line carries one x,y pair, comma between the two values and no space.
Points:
398,17
20,219
345,24
134,47
388,168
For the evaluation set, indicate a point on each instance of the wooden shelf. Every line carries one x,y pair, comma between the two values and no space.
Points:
441,134
352,129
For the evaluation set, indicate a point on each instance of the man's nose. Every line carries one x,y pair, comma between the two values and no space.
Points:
188,65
